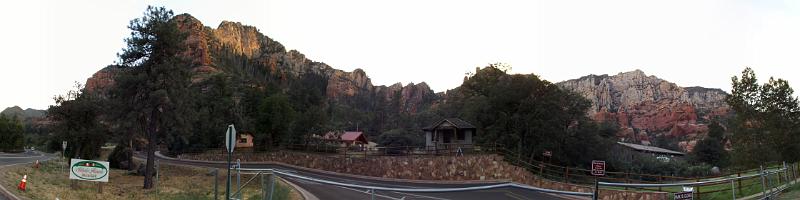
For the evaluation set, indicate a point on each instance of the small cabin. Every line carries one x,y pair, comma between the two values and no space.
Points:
449,133
244,140
352,138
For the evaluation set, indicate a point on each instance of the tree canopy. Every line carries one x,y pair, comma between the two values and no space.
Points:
766,122
528,115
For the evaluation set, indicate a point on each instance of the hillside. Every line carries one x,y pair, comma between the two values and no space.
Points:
23,114
245,56
646,107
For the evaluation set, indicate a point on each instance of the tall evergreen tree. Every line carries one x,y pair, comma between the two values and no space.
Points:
154,87
766,121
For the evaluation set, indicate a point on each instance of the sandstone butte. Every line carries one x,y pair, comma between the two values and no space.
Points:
643,106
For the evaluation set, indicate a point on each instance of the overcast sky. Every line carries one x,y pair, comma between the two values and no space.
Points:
46,46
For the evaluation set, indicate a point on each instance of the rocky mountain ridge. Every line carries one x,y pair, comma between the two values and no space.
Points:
234,48
645,107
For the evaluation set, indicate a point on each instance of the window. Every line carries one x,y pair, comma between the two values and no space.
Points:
460,135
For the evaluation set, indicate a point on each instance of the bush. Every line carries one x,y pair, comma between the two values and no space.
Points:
120,157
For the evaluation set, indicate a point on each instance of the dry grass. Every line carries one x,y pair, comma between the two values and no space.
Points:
176,182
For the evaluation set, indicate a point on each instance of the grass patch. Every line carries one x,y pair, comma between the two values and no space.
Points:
51,181
722,190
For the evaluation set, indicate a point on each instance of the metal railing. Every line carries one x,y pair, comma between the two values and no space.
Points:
768,188
372,189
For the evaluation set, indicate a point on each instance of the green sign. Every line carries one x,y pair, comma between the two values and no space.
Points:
88,170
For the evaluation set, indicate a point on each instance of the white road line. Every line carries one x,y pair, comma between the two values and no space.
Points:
421,196
368,193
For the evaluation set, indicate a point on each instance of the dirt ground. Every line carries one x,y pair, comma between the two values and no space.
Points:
50,181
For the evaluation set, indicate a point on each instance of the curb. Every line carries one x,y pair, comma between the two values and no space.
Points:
303,192
495,181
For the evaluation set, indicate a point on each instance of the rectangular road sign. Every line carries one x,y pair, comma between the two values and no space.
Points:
88,170
230,138
598,168
684,196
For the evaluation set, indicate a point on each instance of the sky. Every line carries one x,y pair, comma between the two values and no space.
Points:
48,46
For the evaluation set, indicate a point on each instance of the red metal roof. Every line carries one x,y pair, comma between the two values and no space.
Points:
354,136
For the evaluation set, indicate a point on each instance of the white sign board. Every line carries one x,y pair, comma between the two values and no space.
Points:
683,196
230,138
88,170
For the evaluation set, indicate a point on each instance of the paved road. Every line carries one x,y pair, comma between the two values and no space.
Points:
325,191
28,156
25,157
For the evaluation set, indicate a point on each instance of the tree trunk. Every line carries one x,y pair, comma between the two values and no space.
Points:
149,170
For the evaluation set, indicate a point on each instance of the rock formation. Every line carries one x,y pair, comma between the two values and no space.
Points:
234,48
646,106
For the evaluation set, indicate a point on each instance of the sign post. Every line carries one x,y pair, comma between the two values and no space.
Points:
230,143
598,169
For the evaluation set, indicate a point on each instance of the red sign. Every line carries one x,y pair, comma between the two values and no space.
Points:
598,168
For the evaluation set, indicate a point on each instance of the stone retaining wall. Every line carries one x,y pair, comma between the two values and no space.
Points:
448,168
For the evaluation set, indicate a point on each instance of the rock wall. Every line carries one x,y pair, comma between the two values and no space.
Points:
439,168
646,106
234,48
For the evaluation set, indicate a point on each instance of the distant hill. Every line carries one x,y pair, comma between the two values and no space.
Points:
23,114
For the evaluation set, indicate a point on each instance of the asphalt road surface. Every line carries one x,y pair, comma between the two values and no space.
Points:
326,191
24,157
28,156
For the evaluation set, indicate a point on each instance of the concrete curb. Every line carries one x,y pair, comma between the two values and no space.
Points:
159,155
303,192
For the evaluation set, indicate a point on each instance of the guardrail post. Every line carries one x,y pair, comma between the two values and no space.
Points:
264,193
239,177
596,192
763,182
733,190
786,173
216,184
272,184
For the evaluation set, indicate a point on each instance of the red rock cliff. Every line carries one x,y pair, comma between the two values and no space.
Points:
646,106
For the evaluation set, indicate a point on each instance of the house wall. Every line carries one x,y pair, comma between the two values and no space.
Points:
468,137
428,137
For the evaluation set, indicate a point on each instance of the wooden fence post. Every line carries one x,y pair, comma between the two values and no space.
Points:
660,178
698,189
627,180
739,182
566,175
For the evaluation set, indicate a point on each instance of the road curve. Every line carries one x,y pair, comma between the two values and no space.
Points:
9,159
325,191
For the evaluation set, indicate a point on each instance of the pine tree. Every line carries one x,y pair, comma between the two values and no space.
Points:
154,87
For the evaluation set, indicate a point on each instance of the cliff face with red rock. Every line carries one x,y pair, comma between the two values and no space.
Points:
234,49
645,106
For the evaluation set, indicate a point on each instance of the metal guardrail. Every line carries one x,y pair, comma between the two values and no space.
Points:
420,190
767,190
